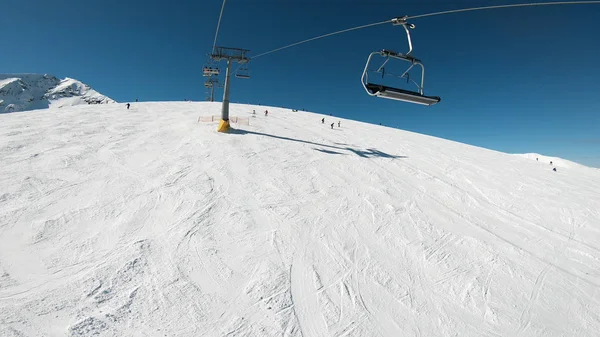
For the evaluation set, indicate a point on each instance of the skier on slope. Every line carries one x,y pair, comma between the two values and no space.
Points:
127,106
323,120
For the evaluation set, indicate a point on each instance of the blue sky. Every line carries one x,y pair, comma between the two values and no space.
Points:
514,80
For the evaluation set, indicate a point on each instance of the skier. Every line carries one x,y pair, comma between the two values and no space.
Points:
550,162
254,112
323,120
339,124
554,169
266,112
127,106
332,125
136,99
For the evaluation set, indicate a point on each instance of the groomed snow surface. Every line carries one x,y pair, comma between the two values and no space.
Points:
144,222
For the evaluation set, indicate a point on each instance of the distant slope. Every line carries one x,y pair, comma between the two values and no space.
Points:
558,162
21,92
143,222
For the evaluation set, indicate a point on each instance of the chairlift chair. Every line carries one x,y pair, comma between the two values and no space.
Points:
243,72
210,71
383,91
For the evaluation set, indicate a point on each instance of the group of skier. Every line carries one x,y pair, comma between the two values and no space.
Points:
323,122
553,169
266,112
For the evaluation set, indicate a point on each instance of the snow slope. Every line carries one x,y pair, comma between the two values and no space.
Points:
558,162
21,92
143,222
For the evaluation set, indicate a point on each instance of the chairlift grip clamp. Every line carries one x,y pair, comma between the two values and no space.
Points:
402,20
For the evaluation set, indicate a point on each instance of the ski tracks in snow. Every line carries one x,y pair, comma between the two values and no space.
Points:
525,319
304,298
257,234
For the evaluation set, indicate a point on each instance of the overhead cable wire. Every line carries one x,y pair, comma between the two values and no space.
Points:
553,3
593,2
323,36
218,25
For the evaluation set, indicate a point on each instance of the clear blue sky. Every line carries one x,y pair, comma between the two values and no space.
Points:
514,80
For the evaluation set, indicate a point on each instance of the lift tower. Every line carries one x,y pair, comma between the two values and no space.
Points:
230,55
210,85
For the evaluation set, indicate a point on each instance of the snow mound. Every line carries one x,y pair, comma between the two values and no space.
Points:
22,92
145,222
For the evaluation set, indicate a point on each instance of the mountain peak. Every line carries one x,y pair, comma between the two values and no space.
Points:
22,92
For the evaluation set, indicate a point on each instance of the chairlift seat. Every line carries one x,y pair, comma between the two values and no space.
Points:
210,71
243,72
401,94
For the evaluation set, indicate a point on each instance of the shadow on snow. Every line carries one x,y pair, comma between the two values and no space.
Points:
368,153
328,151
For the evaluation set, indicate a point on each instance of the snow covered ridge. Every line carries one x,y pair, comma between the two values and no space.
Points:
146,222
22,92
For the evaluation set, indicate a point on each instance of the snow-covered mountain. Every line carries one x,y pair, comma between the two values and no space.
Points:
21,92
145,222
